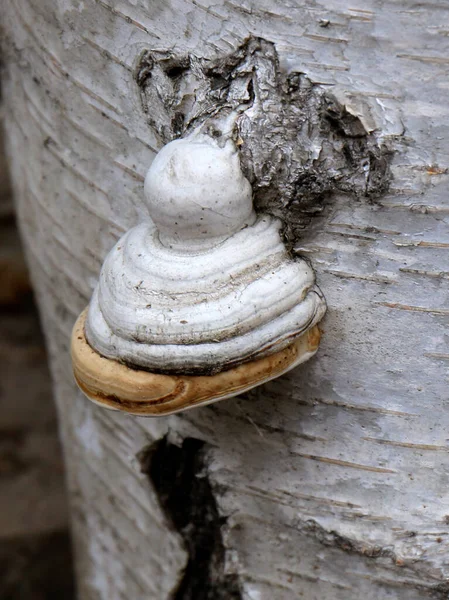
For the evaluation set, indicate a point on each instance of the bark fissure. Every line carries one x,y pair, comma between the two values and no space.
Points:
178,475
298,144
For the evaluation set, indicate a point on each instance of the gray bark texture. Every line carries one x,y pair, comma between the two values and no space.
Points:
331,482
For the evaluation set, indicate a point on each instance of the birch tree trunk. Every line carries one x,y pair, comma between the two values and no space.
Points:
331,482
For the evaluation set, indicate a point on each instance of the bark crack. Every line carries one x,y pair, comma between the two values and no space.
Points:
179,478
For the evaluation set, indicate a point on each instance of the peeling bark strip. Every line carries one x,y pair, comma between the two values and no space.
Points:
186,497
298,144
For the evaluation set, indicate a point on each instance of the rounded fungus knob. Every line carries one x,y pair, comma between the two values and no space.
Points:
197,195
200,303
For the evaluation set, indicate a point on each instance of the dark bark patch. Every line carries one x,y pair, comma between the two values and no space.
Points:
298,144
178,475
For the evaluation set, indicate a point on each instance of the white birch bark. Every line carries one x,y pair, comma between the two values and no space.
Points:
334,479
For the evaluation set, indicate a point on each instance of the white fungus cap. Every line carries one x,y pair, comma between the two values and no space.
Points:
204,285
197,195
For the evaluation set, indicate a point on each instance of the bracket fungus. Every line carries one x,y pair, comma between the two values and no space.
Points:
200,303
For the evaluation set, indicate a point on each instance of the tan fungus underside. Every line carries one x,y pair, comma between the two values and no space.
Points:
117,386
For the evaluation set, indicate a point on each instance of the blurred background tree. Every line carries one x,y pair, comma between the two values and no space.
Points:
35,548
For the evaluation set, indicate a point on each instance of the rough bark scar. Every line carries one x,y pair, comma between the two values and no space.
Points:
298,145
178,476
367,551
